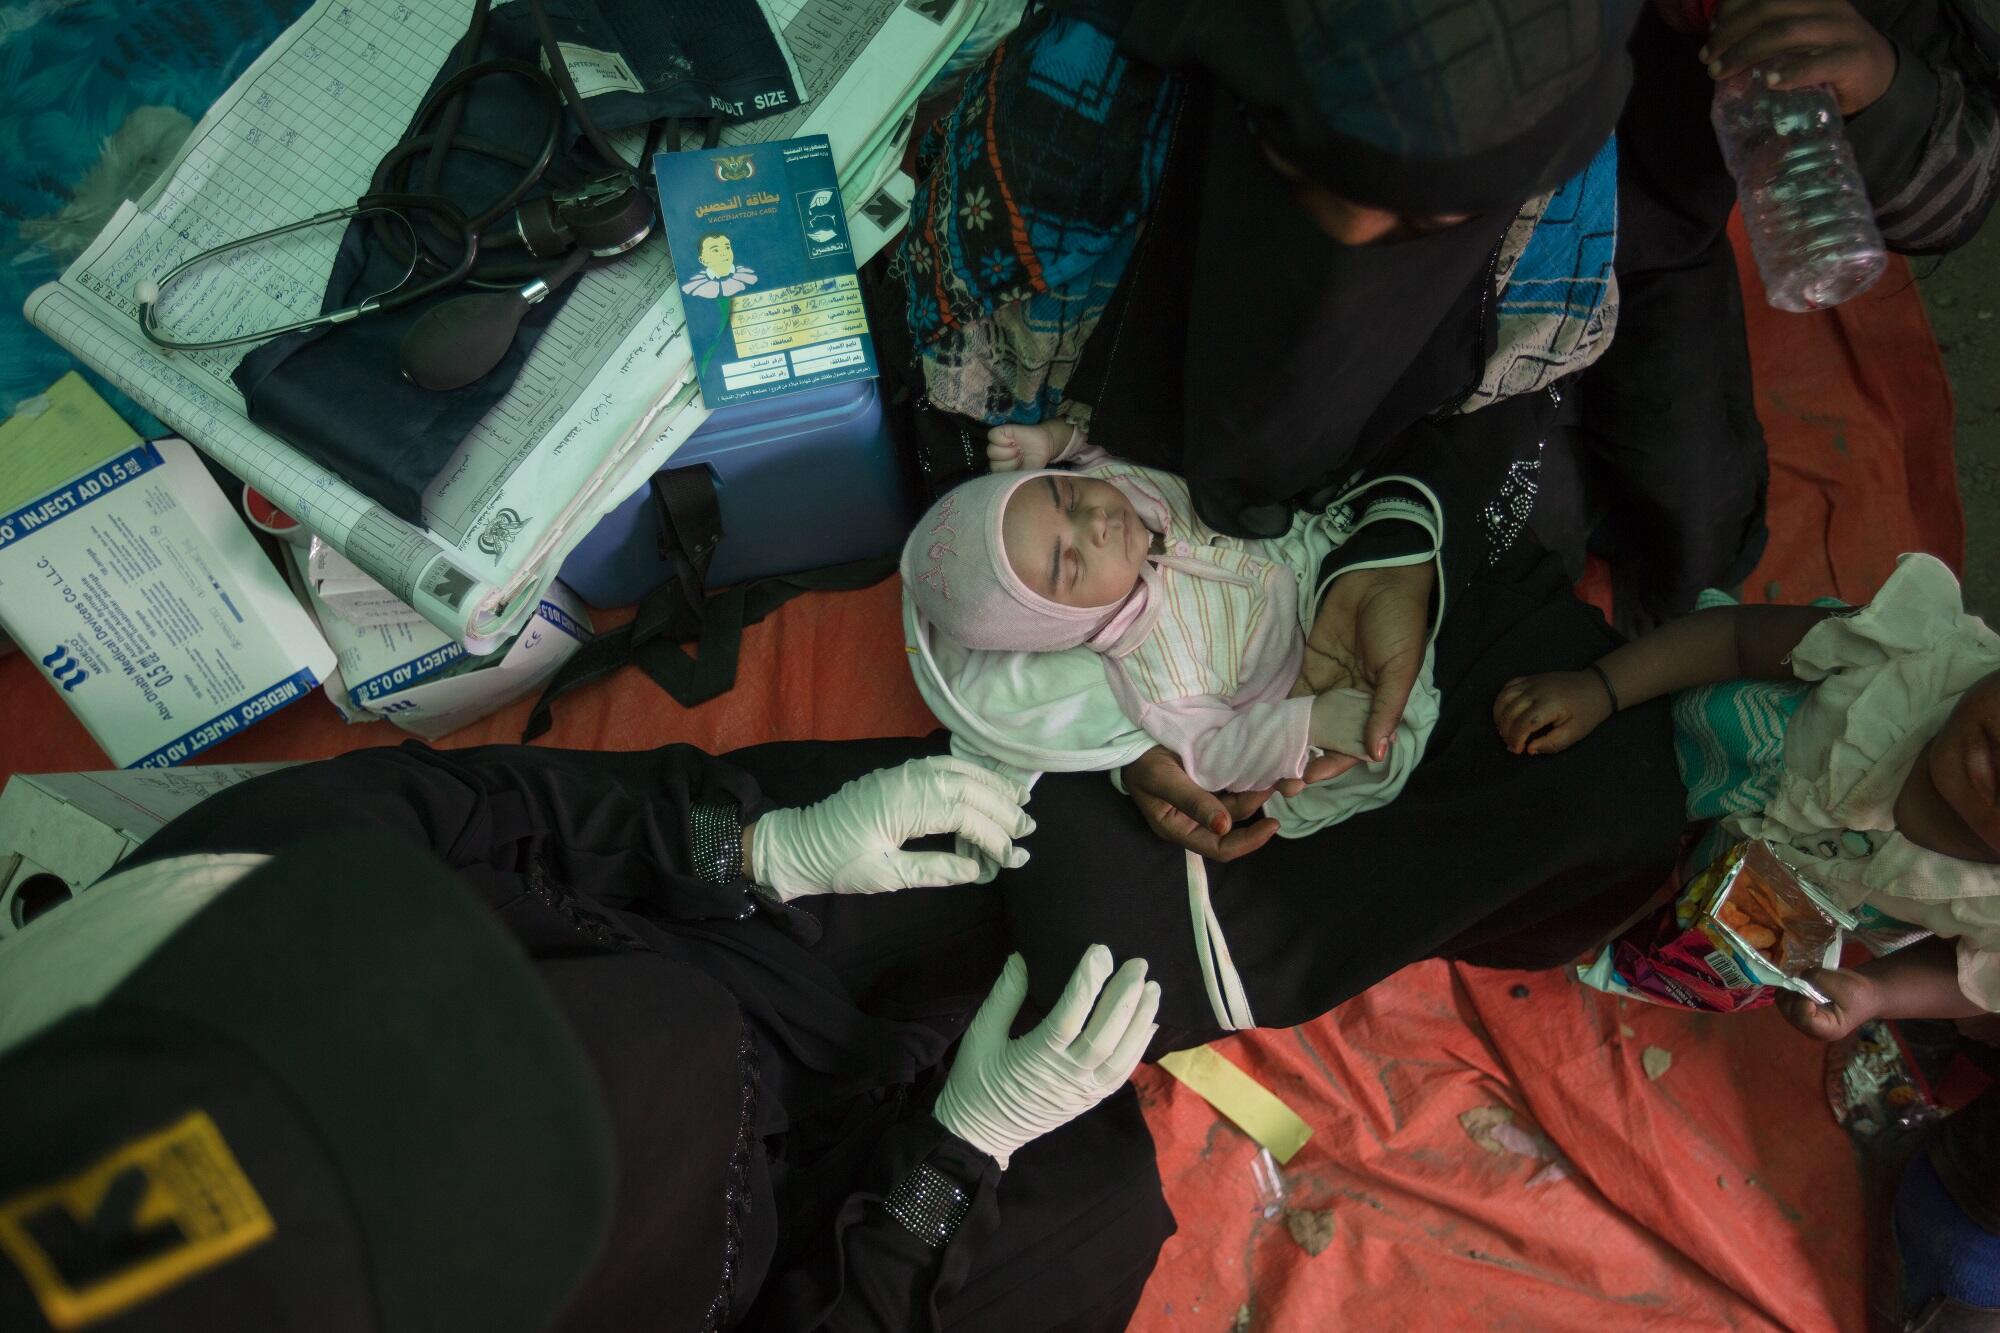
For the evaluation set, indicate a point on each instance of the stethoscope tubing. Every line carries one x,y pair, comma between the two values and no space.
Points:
396,206
380,203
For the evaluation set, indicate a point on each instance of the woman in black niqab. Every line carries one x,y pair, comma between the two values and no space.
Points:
1256,355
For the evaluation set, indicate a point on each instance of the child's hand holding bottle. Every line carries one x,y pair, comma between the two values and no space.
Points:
1548,713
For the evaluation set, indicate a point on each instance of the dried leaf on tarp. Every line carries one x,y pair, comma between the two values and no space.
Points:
1312,1228
1494,1128
1481,1122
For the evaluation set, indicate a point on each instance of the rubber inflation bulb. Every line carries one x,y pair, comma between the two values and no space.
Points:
459,341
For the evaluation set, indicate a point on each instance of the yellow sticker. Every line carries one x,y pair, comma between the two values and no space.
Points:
1254,1108
147,1216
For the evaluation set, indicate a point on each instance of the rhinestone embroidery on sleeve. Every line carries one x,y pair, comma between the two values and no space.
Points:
929,1204
1508,512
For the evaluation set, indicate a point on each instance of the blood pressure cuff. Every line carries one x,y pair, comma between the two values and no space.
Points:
337,393
637,61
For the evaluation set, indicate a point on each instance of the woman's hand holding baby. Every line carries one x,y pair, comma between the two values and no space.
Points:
1547,714
1017,447
1180,811
1370,635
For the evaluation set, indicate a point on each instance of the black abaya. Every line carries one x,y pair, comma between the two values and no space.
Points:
849,1005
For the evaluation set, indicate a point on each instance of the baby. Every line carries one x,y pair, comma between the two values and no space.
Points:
1066,619
1864,744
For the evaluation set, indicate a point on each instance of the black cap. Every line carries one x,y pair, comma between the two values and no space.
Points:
334,1097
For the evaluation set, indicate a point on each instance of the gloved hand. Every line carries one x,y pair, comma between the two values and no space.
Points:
852,842
1001,1093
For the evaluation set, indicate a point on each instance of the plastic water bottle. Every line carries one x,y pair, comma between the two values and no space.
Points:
1811,226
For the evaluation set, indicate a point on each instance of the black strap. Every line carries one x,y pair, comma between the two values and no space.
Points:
654,637
690,521
676,612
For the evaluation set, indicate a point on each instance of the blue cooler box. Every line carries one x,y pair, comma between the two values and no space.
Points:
803,480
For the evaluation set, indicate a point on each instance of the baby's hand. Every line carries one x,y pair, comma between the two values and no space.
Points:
1855,1000
1028,448
1339,721
1549,713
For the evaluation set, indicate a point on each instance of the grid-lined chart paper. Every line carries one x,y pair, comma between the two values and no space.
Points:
300,133
297,135
603,401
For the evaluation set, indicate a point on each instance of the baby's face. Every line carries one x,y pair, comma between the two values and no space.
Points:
1075,540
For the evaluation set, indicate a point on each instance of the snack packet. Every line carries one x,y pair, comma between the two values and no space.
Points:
1874,1084
1743,929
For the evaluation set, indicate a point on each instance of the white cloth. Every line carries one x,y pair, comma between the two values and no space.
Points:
712,285
77,952
1884,680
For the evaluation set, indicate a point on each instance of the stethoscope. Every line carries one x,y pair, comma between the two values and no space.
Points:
458,341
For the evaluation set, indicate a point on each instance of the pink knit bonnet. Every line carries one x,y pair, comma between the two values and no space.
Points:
957,575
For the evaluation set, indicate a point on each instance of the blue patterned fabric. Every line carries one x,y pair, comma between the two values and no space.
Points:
100,94
1565,271
1558,299
1729,740
1031,221
1022,230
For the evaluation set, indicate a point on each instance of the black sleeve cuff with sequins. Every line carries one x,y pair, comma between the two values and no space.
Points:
940,1180
715,833
929,1203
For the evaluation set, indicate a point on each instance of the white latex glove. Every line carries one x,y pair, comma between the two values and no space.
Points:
1003,1092
852,842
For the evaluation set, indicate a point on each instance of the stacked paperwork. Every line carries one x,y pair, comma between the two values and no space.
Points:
607,395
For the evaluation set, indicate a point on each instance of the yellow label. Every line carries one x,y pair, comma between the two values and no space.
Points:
1254,1108
147,1216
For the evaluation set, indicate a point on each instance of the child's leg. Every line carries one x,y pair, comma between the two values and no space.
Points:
1947,1213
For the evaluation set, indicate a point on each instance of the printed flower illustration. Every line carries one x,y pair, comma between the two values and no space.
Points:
996,267
923,314
977,210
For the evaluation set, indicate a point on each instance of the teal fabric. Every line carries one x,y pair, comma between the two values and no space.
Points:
1729,740
98,92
